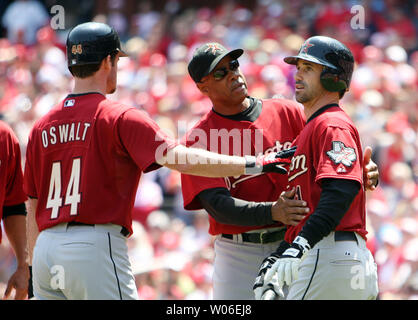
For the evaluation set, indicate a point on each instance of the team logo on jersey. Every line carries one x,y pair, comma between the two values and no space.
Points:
298,166
69,103
340,154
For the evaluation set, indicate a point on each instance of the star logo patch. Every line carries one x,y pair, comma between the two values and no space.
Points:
212,47
305,47
340,154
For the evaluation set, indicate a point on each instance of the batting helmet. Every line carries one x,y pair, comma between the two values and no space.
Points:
90,42
336,58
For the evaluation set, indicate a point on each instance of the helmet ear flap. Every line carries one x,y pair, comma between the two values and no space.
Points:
331,81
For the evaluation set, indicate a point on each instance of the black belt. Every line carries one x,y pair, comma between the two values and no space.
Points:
123,231
263,237
345,236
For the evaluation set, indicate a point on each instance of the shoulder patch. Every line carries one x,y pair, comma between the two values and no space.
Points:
342,154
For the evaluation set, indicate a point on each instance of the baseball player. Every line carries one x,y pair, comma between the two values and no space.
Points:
246,213
13,209
84,161
325,255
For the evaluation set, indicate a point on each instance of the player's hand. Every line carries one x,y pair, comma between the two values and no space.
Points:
18,281
277,162
286,268
289,210
260,285
370,170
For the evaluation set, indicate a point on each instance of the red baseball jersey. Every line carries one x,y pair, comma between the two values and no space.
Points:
328,147
279,122
85,159
11,176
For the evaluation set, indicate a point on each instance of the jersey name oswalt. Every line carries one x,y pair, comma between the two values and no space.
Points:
64,133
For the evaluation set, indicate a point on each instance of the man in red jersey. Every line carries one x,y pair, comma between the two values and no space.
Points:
246,213
325,255
13,209
83,163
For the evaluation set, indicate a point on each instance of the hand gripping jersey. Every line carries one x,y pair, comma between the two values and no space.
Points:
85,159
279,122
328,147
11,177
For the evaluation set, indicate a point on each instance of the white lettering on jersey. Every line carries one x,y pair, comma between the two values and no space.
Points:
63,129
68,132
299,165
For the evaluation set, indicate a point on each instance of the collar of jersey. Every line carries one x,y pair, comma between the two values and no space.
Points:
250,114
321,110
73,95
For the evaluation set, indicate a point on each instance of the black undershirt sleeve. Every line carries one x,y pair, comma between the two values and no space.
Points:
336,198
19,209
226,209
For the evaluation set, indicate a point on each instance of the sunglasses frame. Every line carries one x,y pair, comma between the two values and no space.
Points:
221,73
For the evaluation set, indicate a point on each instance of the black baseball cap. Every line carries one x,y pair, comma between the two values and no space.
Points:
206,58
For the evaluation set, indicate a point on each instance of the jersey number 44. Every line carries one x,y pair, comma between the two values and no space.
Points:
72,196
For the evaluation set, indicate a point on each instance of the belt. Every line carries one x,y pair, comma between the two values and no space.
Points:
263,237
123,231
345,236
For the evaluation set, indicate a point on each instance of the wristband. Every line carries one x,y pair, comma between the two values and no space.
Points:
251,166
301,241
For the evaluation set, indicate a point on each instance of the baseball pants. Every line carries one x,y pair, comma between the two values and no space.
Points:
336,270
82,262
236,266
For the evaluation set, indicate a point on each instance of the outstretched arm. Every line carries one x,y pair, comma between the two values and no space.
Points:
201,162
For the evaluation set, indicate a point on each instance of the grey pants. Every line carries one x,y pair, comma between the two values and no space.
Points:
236,266
82,262
336,270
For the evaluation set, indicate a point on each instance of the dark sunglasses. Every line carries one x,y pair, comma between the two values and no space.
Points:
220,73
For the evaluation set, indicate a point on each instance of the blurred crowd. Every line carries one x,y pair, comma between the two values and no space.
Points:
171,250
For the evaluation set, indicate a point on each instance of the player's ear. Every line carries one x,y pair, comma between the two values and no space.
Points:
107,62
203,88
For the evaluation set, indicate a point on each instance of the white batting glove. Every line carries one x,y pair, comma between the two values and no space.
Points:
286,267
261,286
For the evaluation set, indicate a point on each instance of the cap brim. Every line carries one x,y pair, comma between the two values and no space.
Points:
234,54
291,60
122,53
294,60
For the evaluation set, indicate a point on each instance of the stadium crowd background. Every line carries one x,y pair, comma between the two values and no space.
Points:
171,251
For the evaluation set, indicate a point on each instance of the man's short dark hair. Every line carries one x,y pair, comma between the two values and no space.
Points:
85,71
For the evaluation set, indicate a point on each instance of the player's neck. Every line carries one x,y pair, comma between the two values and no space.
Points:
90,84
310,107
229,109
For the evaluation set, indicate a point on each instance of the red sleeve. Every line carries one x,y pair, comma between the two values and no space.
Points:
14,185
191,186
340,156
29,181
143,139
